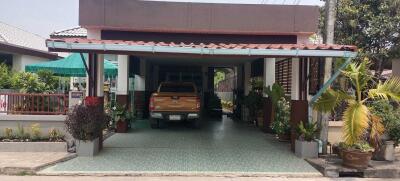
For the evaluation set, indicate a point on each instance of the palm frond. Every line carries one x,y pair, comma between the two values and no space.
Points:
377,130
355,122
329,100
390,89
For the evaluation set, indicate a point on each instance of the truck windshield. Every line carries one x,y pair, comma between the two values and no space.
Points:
176,88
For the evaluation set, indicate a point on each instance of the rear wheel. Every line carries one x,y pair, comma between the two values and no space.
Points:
154,123
196,123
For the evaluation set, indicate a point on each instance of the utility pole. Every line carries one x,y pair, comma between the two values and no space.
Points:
330,18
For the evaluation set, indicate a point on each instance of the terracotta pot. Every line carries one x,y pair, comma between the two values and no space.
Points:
284,137
356,158
121,126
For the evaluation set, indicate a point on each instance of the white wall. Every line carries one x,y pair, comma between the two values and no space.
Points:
20,61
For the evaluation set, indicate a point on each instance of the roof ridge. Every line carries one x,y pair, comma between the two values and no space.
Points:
64,30
14,26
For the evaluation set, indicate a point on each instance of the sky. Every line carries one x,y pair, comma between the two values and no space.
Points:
43,17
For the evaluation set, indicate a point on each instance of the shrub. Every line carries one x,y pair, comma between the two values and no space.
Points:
8,133
281,124
5,76
50,81
35,131
21,134
55,135
86,122
390,118
27,82
308,131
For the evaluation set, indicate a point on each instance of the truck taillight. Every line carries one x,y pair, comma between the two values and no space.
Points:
198,103
151,104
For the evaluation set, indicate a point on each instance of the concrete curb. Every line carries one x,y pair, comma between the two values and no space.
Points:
33,146
34,170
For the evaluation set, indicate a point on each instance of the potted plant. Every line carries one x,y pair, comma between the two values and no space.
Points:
120,115
86,123
281,124
361,128
253,102
274,93
305,144
389,116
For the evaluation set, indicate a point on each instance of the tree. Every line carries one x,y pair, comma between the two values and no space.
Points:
5,76
373,26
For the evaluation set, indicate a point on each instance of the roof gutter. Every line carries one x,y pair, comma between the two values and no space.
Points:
87,47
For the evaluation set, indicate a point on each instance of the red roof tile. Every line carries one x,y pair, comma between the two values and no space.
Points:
214,46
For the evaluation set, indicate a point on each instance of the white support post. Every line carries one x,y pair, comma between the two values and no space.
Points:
295,88
122,81
269,71
247,74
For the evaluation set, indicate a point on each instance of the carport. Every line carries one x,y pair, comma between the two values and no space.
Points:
154,41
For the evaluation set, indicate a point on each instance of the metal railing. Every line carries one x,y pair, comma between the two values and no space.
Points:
35,104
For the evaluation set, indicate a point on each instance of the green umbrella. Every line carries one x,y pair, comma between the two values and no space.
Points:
71,66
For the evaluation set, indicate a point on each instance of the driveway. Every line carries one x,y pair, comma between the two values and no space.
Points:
219,148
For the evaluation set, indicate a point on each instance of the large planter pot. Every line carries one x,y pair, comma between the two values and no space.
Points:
306,149
385,152
122,126
87,148
356,158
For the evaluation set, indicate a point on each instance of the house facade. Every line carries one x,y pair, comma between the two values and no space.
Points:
19,48
181,41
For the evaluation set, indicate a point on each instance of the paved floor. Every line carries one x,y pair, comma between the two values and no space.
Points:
218,147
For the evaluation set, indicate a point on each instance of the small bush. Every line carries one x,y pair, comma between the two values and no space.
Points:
281,124
8,133
55,135
35,131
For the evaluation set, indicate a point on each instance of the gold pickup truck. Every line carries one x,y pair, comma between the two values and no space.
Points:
175,102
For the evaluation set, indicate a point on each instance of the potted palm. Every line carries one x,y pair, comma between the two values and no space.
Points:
274,93
361,128
120,115
305,144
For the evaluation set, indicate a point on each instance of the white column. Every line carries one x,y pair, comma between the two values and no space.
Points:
295,89
100,75
269,71
247,74
396,67
122,81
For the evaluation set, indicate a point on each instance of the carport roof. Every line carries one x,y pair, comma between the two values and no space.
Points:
270,50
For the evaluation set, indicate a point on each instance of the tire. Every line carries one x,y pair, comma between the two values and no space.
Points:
196,123
154,124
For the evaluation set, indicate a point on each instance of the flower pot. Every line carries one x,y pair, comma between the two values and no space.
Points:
284,137
356,158
306,149
385,152
122,126
87,148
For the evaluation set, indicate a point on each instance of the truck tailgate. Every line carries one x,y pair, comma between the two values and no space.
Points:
179,102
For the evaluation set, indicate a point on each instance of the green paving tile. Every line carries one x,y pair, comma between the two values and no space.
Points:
220,146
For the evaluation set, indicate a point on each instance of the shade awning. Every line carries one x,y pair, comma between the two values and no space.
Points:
71,66
221,49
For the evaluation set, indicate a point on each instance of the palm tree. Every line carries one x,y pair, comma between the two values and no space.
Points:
357,118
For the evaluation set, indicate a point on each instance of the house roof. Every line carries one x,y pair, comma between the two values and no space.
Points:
114,46
16,40
16,36
71,32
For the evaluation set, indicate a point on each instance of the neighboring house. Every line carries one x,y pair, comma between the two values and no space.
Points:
19,48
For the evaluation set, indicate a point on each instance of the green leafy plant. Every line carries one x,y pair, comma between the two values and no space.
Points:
389,116
281,124
35,131
48,79
308,131
21,134
27,82
5,76
357,118
275,93
254,102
